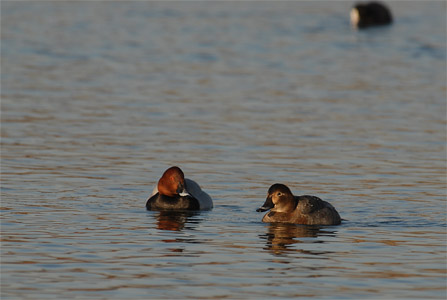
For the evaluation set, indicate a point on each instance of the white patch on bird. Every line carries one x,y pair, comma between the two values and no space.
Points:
355,17
184,194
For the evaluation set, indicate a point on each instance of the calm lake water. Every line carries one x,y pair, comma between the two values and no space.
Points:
99,98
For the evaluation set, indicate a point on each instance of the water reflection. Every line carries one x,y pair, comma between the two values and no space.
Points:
280,238
175,220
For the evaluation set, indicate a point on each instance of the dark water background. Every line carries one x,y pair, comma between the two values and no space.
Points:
99,98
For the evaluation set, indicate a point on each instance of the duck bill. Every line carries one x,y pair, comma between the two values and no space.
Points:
268,204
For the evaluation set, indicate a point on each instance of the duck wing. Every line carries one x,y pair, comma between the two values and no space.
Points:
194,190
308,204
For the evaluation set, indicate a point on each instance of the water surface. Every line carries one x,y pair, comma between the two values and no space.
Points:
99,98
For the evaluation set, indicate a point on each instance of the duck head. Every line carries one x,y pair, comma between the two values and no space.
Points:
279,198
172,183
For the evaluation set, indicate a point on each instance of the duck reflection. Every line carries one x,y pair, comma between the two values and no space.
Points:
281,237
175,220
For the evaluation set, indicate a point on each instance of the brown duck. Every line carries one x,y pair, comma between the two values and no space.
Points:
306,210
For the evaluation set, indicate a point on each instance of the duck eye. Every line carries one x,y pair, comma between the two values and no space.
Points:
278,194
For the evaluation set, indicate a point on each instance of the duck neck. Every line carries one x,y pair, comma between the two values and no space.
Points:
287,206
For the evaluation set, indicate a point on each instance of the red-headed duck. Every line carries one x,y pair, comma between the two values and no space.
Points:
175,192
306,210
364,15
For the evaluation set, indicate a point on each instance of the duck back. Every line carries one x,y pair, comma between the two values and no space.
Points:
205,201
313,211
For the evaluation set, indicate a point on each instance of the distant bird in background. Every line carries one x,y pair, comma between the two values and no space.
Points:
369,14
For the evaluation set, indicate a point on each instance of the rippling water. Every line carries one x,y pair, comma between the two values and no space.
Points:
99,98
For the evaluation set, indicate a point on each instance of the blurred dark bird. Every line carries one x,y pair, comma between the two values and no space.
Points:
369,14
